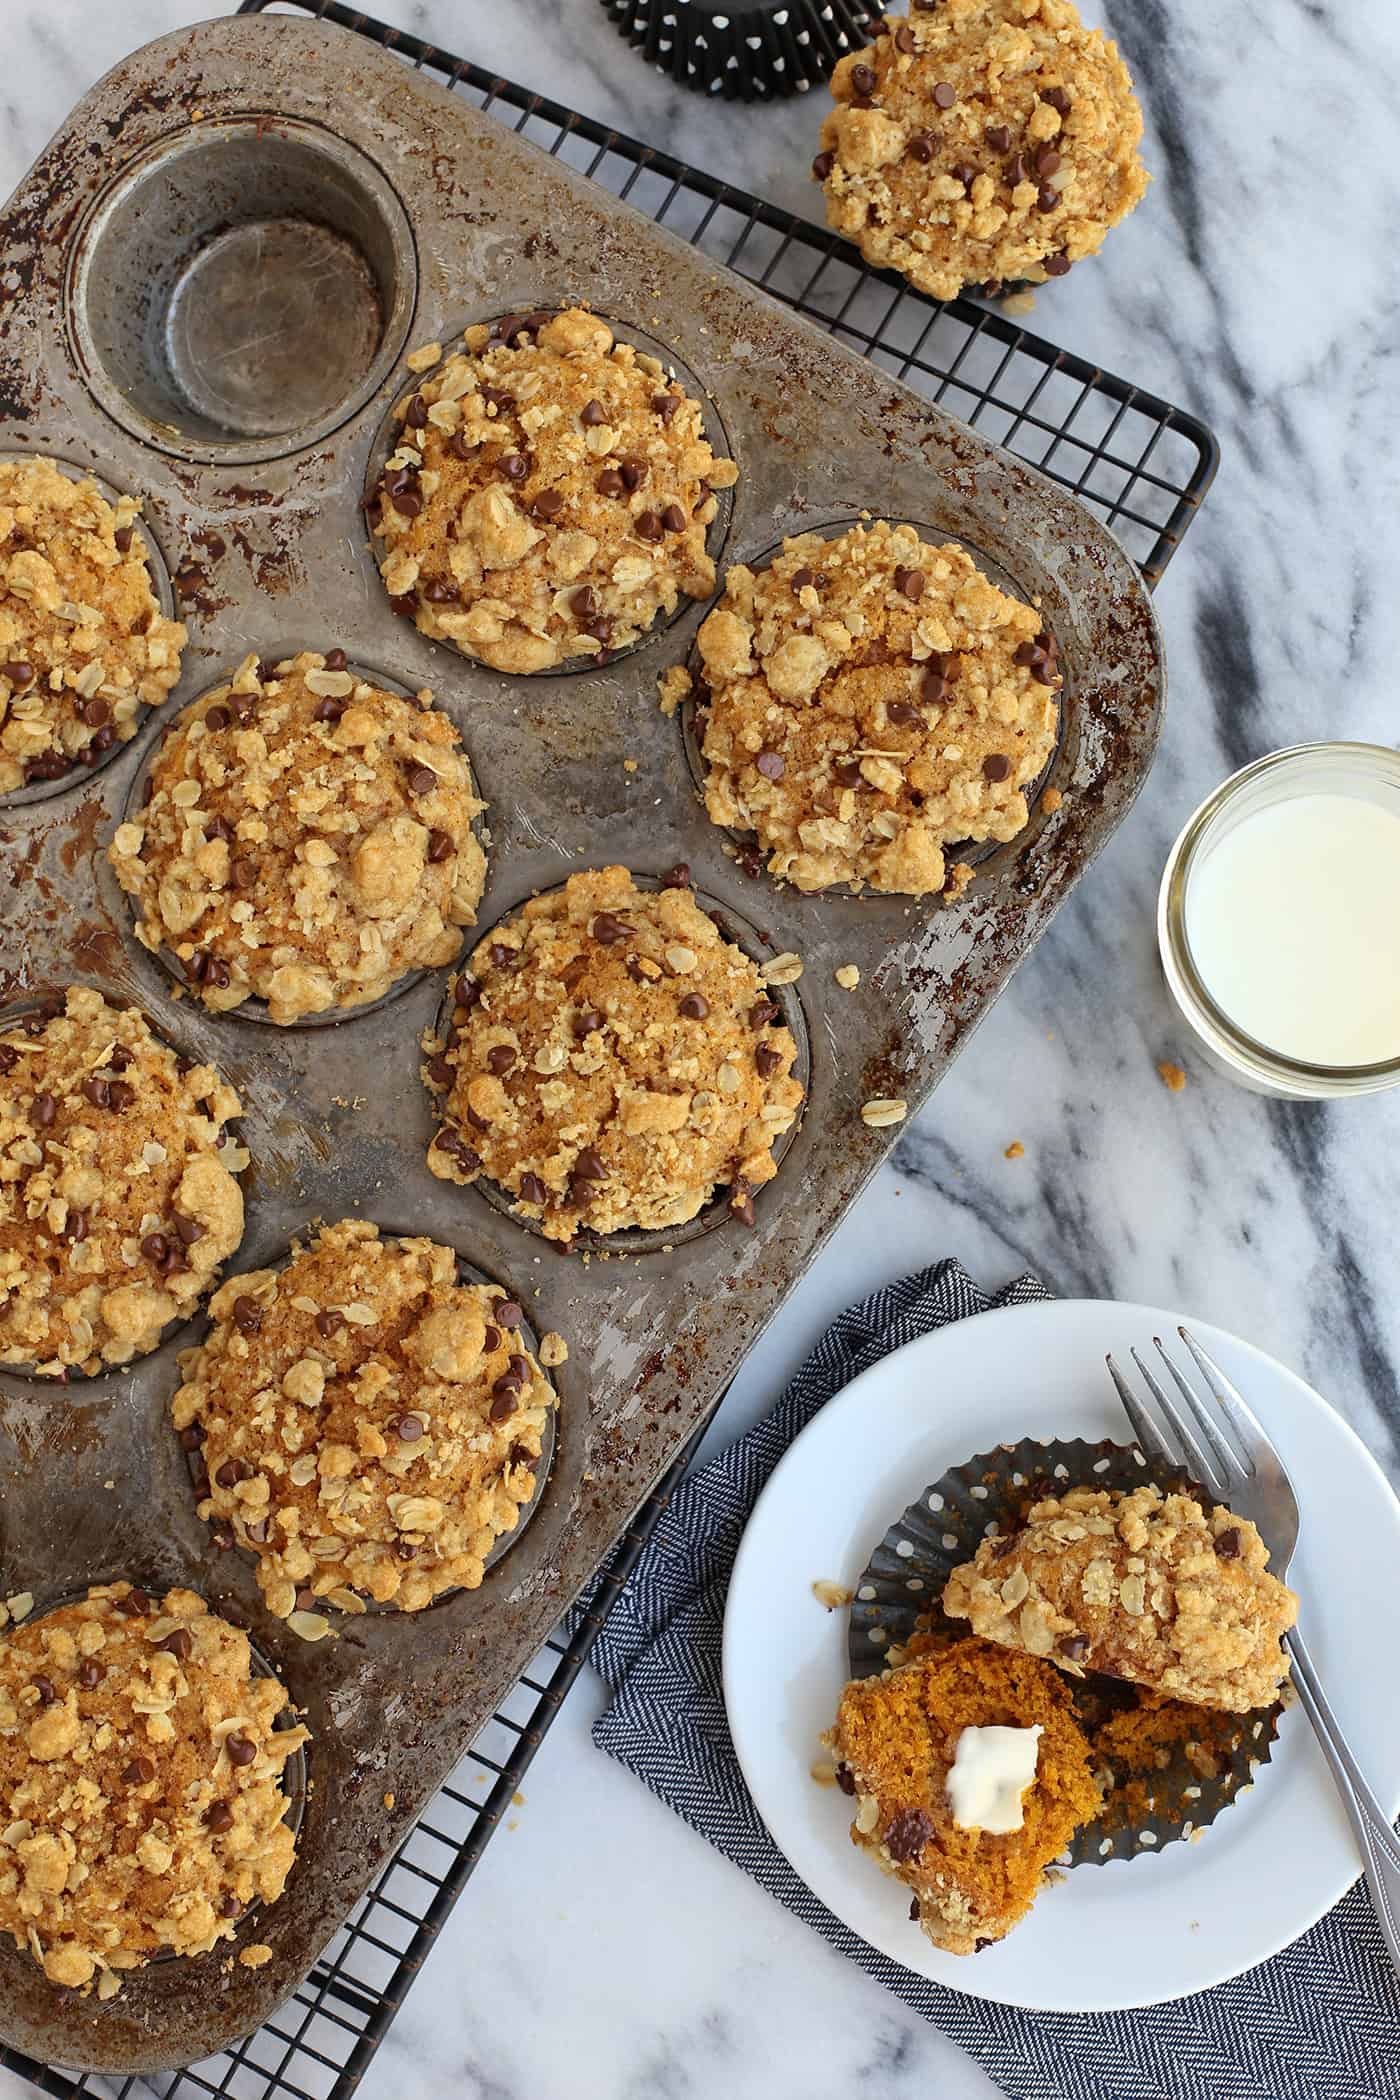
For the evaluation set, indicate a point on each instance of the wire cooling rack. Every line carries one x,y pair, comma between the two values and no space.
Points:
1144,467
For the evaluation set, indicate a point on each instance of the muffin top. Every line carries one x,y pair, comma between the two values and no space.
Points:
867,700
307,840
896,1739
118,1200
1145,1586
83,644
981,142
613,1060
548,496
141,1784
364,1423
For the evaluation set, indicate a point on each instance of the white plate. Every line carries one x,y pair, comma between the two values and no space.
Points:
1131,1932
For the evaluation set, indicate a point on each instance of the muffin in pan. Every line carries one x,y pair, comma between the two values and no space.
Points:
614,1060
118,1192
306,840
1145,1586
142,1787
970,1775
867,700
84,644
549,495
364,1422
981,142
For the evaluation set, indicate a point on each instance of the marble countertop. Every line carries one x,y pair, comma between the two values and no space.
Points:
603,1952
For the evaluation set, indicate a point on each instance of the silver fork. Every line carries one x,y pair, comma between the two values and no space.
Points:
1225,1448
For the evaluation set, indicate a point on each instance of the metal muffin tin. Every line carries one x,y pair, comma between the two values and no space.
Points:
262,528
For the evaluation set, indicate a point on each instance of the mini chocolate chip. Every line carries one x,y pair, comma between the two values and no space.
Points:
218,1816
863,79
1046,198
695,1006
1016,171
665,405
762,1013
416,414
192,1436
1056,266
589,1165
18,670
404,606
548,503
963,171
96,712
189,1230
506,1313
44,1687
592,413
845,1779
439,847
998,137
634,473
44,1110
241,1749
903,37
921,148
140,1772
996,766
678,877
945,94
95,1088
407,502
610,482
766,1060
607,929
801,578
499,1059
89,1674
504,1406
421,780
134,1605
1027,653
514,465
155,1247
1227,1546
907,1835
847,771
823,165
1058,98
519,1455
771,764
496,397
673,518
532,1190
232,1471
1047,160
328,710
180,1644
247,1315
461,447
647,525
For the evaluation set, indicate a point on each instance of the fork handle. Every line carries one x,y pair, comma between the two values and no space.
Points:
1380,1849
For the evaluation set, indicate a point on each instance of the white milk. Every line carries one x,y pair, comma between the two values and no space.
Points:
1293,919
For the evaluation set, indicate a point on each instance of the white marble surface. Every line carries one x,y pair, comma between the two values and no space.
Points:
603,1952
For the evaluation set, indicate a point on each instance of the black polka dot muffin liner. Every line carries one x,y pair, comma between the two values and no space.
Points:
898,1596
745,50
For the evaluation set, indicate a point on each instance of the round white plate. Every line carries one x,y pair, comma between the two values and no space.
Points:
1131,1932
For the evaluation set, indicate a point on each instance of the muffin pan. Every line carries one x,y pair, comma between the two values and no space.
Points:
121,255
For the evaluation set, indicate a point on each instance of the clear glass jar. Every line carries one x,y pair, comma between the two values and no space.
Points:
1368,772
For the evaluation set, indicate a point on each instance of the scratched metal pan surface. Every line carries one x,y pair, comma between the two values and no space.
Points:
127,346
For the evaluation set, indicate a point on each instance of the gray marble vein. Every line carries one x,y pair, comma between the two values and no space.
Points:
603,1952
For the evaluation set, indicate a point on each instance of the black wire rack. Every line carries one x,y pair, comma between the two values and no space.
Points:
1144,467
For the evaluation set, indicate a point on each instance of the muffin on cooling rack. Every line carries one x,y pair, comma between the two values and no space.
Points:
614,1060
141,1784
363,1421
84,646
970,1775
118,1200
1145,1586
867,700
548,496
981,142
307,840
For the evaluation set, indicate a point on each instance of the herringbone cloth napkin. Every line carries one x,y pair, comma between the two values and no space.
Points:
1320,2022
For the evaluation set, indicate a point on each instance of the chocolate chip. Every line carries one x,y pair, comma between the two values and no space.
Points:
504,1405
180,1644
192,1436
634,473
903,714
421,780
532,1190
155,1247
456,1147
95,1088
89,1674
610,482
1227,1545
416,414
695,1006
8,1058
403,607
845,1779
548,503
1074,1647
241,1749
847,771
583,603
247,1315
801,578
44,1110
140,1772
914,1909
678,877
1046,198
921,148
1056,266
998,137
910,582
766,1060
903,38
440,847
329,1321
514,465
491,1340
665,405
607,929
496,397
907,1835
589,1165
762,1013
963,171
438,591
51,767
506,1313
1047,160
44,1687
134,1605
408,1429
123,537
189,1230
945,94
1058,98
461,447
218,1816
232,1471
520,1456
328,710
18,670
823,165
1016,171
499,1059
587,1021
863,80
96,712
647,525
996,766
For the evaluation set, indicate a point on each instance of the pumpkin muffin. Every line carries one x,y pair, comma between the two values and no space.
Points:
548,496
118,1196
142,1805
306,841
981,142
1144,1586
866,701
363,1422
903,1742
613,1060
84,645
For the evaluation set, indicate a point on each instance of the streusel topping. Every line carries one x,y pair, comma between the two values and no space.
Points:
363,1422
981,142
84,646
118,1196
1145,1586
865,701
307,840
614,1059
142,1805
549,494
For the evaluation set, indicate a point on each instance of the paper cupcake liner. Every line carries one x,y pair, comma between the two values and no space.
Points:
1199,1775
745,50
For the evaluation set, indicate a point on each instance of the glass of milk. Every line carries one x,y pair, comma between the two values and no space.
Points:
1279,922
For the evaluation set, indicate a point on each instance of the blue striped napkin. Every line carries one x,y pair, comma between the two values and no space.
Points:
1319,2022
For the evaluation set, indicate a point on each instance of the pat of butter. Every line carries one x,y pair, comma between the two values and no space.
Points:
991,1770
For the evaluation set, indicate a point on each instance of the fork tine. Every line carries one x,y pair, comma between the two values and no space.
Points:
1249,1431
1197,1454
1214,1435
1150,1438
